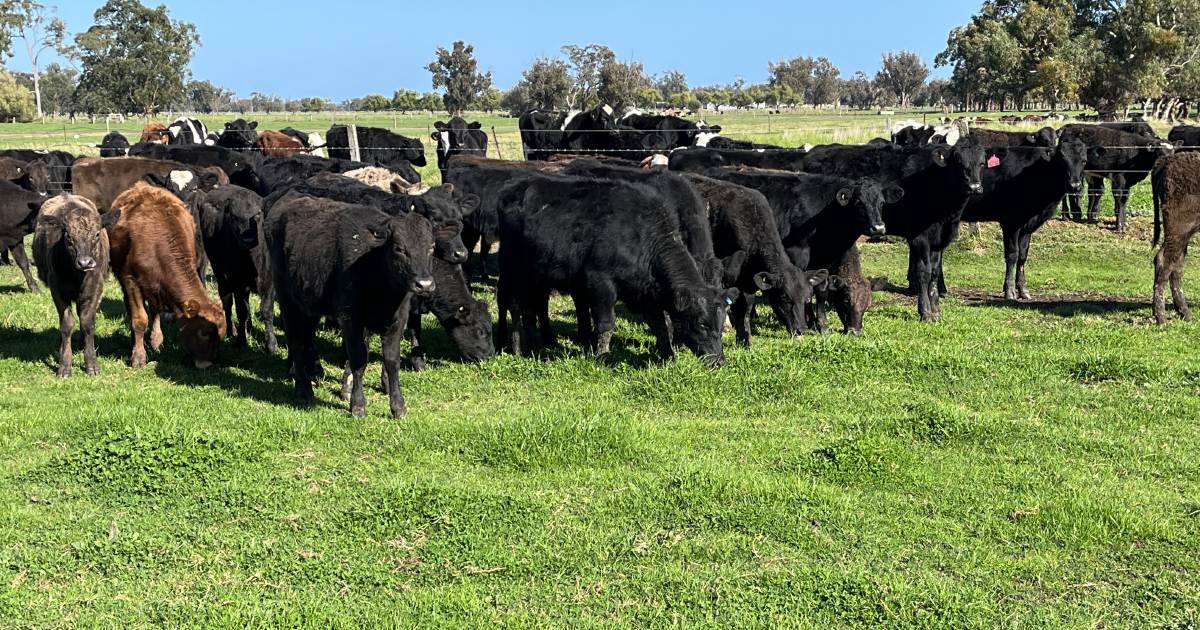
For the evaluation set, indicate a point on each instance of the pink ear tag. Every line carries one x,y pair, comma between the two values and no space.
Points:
993,161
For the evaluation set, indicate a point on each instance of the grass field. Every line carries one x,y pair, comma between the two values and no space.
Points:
1015,465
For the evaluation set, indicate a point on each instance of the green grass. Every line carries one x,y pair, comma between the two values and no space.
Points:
1013,465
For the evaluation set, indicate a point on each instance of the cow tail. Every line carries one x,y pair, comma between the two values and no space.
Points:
1158,182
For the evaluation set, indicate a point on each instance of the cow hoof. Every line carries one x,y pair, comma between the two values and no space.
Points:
399,411
137,362
35,290
1025,295
92,370
63,372
1010,295
358,411
604,358
417,365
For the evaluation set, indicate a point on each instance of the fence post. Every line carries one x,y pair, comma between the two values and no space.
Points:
352,142
496,141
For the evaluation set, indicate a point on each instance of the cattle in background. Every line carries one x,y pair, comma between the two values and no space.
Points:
458,136
541,133
33,176
277,144
1044,137
1121,157
1176,219
700,159
1139,127
155,132
602,241
239,166
355,263
1185,138
18,217
59,163
913,133
1021,193
277,174
593,132
937,181
154,259
114,144
185,131
238,135
313,144
643,135
466,320
376,146
102,180
70,247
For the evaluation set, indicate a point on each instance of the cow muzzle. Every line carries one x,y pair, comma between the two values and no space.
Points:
877,229
85,263
975,188
424,286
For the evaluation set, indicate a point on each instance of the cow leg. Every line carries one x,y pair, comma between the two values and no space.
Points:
914,270
19,257
583,321
156,333
549,340
227,299
355,346
138,320
660,326
920,268
1120,202
416,356
391,359
820,308
485,246
266,312
242,302
87,321
604,304
740,310
1011,253
1095,194
1022,256
935,292
66,325
301,332
1181,305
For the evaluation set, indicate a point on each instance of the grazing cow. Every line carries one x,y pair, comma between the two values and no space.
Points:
383,179
743,227
600,241
1021,193
70,247
280,173
155,132
441,206
114,144
458,136
849,292
154,259
103,179
313,143
230,221
238,135
912,133
1185,138
59,163
18,217
1139,127
466,320
376,146
240,167
1044,137
184,131
592,132
1176,219
355,263
700,159
1122,157
937,181
278,144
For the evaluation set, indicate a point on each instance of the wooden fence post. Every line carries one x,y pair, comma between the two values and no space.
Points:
496,141
352,142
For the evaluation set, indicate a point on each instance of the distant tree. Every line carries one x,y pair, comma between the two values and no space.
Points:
586,63
243,105
431,102
314,104
206,98
456,70
649,97
133,58
859,91
58,89
517,101
489,101
16,101
825,84
671,82
32,23
621,83
902,74
265,103
793,74
376,102
406,100
546,84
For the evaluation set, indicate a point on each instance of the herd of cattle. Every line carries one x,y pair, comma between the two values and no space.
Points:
675,221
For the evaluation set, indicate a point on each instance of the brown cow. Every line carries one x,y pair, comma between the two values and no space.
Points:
1176,182
154,259
156,132
103,179
278,144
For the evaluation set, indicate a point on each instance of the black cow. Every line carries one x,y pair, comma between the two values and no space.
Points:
1021,193
230,222
240,167
700,159
186,131
601,241
59,162
466,320
911,133
443,208
239,135
1185,138
18,218
376,146
722,142
355,263
114,144
643,135
1139,127
937,181
458,136
1122,157
278,173
541,133
593,132
1044,137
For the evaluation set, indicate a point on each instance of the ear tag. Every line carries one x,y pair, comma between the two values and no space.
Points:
728,301
993,161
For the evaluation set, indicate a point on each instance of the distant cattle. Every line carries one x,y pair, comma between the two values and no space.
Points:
376,146
593,132
278,144
700,159
912,133
642,135
238,135
1185,138
154,259
1139,127
352,262
70,247
1122,157
114,144
1045,137
155,132
102,180
240,167
383,179
276,173
185,131
1176,219
313,144
18,217
458,136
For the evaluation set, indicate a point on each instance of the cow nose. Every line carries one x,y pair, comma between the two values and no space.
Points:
423,286
459,257
1076,186
878,229
976,187
85,263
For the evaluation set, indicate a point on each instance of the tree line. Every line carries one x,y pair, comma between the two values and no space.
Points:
1109,55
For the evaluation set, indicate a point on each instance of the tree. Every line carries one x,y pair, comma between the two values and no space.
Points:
314,104
16,101
431,102
825,84
456,70
621,83
794,74
489,101
58,89
406,100
546,84
206,98
859,91
133,58
266,103
670,83
586,63
902,74
30,22
517,101
376,102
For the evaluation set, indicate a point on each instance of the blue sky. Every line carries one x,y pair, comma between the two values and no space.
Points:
338,50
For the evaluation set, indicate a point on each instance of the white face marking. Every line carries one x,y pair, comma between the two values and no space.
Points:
315,140
659,160
568,119
703,138
631,113
174,131
443,141
181,179
760,150
607,110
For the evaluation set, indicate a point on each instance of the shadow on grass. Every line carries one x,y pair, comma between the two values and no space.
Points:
41,346
1061,305
622,351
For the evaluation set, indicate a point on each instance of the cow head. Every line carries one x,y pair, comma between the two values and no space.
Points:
79,227
201,329
239,134
156,133
866,198
789,291
470,326
237,211
1072,159
114,144
445,209
698,313
35,178
405,242
964,165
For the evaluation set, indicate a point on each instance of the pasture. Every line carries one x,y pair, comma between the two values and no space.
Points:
1016,464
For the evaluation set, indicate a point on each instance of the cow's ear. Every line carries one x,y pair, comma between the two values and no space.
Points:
253,125
440,126
110,218
210,219
844,196
475,125
449,188
154,179
817,277
468,203
893,193
765,281
360,230
1099,151
732,265
1031,138
939,157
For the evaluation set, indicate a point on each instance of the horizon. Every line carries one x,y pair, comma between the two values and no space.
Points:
743,43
